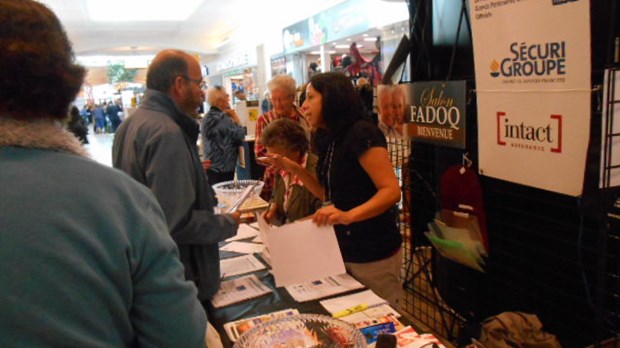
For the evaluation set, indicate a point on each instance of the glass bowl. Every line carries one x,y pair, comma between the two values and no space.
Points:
228,192
303,331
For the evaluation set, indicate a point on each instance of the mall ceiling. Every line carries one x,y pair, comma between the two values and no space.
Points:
143,27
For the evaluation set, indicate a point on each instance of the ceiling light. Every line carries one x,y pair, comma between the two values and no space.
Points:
370,39
140,10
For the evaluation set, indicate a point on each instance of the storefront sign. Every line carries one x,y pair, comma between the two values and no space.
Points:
278,65
437,113
533,82
337,22
239,60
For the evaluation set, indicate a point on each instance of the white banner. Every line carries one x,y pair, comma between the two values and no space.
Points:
533,81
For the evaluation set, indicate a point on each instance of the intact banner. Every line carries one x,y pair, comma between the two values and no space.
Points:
533,82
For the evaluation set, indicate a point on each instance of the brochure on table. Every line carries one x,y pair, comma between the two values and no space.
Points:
243,247
301,251
240,265
239,289
324,287
243,232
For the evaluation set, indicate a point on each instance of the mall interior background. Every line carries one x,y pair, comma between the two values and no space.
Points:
553,255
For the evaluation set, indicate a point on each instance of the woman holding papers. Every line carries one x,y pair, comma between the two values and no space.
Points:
356,182
290,199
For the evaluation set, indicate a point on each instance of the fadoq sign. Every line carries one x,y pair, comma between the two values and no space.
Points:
437,113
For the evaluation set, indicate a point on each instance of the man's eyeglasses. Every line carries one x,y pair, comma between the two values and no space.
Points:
202,84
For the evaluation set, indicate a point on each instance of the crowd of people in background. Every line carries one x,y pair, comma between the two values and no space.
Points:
105,117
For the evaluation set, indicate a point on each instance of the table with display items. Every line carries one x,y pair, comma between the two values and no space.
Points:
277,300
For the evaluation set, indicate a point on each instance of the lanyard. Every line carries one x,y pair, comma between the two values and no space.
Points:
327,172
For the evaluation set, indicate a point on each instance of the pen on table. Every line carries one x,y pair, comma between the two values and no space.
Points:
360,307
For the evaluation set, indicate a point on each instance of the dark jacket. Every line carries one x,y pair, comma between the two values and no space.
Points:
157,147
221,138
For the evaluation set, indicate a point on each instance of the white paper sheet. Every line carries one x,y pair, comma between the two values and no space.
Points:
323,287
243,247
302,251
239,289
240,265
244,231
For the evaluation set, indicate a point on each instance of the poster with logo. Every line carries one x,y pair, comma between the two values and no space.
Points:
437,113
533,83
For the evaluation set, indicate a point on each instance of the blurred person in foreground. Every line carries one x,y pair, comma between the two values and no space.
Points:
75,272
157,147
222,134
356,181
283,92
290,200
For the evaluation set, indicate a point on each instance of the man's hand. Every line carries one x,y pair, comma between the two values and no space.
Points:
236,215
206,164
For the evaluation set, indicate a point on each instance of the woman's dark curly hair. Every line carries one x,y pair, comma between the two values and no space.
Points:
38,75
342,106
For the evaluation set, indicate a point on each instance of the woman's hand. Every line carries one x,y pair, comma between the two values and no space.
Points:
331,215
280,162
271,213
232,113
